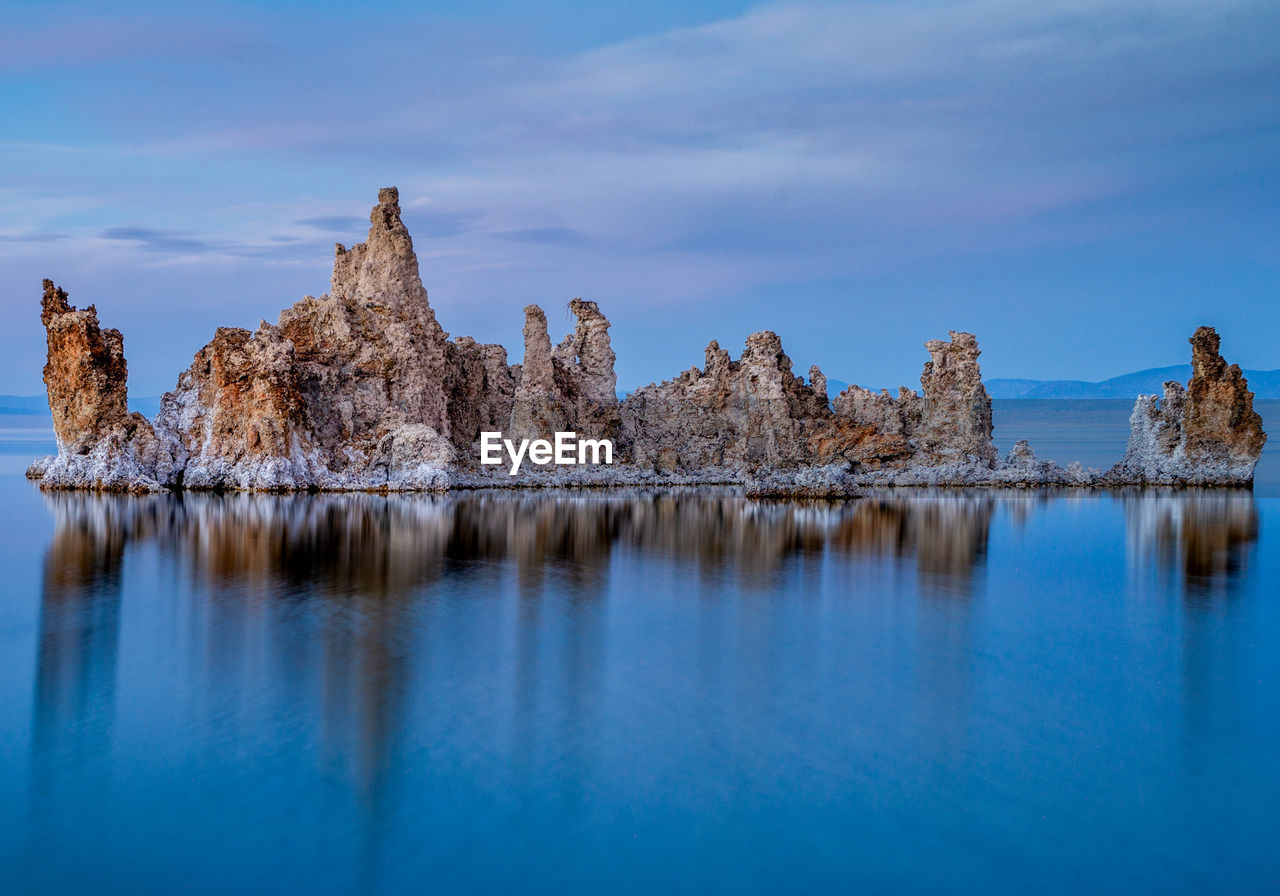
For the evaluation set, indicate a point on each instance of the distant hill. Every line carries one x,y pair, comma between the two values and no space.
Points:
24,405
1263,383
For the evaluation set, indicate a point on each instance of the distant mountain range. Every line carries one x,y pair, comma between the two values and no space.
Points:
24,405
1263,383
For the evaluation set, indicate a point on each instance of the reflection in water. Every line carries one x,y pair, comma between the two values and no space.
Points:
360,563
946,531
1204,536
78,639
411,647
376,546
385,546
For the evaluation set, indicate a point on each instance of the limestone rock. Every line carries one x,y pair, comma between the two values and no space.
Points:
86,373
370,357
479,392
570,389
336,394
237,415
361,389
101,444
538,409
948,424
586,357
751,414
1207,433
955,420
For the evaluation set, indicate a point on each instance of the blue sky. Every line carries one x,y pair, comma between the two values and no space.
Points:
1079,183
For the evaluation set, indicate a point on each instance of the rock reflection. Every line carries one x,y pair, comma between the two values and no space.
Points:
79,633
379,546
946,531
1203,536
375,545
337,617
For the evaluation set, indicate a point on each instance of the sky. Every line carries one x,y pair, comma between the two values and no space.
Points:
1078,182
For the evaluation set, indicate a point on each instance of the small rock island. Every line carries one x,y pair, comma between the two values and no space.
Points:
362,390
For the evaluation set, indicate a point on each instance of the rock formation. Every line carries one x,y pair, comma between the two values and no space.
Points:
570,389
949,423
237,415
747,415
101,445
1205,434
362,389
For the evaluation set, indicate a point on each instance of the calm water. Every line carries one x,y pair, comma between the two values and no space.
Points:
583,693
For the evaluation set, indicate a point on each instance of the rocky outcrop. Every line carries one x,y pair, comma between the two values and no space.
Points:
538,408
948,424
572,388
236,416
732,418
101,444
955,414
370,362
480,391
361,389
1205,434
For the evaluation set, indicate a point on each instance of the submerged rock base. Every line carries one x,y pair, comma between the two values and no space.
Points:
362,390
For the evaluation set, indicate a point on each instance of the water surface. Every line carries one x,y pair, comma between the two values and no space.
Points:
972,691
598,692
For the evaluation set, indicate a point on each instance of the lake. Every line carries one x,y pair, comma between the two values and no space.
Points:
686,691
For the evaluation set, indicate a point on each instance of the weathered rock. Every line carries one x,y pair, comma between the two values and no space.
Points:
101,444
570,389
361,389
583,363
1022,458
748,415
538,408
949,424
341,392
86,373
237,415
370,356
955,420
1205,434
479,391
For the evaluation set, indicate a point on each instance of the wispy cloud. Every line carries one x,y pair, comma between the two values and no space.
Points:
559,236
32,237
160,240
332,223
794,143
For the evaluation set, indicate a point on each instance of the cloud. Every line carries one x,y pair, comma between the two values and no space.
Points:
796,143
433,222
185,244
333,223
556,236
159,240
32,237
895,130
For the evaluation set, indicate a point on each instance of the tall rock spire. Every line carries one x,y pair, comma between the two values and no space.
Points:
588,356
384,268
101,445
